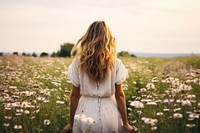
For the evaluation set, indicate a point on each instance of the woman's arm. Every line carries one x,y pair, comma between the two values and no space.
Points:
121,103
74,99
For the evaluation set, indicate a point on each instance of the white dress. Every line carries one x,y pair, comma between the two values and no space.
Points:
97,110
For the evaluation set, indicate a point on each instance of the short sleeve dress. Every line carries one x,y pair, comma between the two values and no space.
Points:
97,110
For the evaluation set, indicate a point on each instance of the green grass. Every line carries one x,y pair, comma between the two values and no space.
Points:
42,83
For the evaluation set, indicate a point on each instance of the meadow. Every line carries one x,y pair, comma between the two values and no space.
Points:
162,94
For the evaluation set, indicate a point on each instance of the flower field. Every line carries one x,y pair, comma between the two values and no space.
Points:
163,95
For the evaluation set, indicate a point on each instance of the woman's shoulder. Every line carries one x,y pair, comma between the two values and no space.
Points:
118,61
76,61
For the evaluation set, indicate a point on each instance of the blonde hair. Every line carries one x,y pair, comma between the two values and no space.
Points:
96,51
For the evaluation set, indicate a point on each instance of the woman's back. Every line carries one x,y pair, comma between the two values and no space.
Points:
88,87
97,101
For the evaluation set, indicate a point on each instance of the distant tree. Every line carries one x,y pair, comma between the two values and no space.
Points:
65,50
125,54
54,54
23,54
43,54
34,54
1,53
132,55
15,53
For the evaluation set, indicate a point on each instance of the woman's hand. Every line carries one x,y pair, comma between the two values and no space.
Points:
129,128
66,128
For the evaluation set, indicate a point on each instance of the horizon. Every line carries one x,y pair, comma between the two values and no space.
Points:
148,55
139,26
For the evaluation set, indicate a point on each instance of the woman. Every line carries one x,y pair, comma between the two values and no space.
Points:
97,96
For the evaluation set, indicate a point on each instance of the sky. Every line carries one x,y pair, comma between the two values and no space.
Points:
144,26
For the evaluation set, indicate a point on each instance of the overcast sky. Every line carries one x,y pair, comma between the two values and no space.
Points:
147,26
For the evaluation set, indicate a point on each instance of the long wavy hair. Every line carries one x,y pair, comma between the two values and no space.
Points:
96,51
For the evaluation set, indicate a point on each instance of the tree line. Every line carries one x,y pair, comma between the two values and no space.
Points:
64,51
